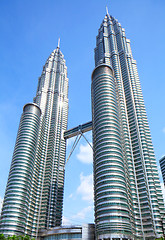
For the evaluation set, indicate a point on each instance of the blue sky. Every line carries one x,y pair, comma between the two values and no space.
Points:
30,32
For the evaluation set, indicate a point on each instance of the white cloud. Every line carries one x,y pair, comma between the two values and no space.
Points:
86,187
85,154
159,171
83,213
65,221
71,195
70,141
163,190
1,202
81,216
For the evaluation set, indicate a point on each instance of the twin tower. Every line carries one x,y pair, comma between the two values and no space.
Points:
127,194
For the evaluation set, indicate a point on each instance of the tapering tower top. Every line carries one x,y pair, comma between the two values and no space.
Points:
107,10
58,43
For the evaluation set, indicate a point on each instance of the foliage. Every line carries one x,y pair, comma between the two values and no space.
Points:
15,237
2,237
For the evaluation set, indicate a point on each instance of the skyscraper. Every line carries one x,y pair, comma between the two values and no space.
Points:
128,198
127,192
34,192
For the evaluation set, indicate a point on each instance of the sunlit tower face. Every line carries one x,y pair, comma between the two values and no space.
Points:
128,197
52,97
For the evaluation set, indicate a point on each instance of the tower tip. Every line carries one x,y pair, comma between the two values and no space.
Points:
107,10
59,43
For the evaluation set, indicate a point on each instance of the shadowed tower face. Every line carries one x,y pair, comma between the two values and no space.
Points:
34,192
128,197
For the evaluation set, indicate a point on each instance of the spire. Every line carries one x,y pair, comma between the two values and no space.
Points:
107,10
59,43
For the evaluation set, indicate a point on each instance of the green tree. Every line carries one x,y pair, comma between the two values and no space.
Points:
26,237
2,237
9,238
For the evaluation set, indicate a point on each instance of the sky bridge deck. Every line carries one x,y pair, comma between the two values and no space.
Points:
78,130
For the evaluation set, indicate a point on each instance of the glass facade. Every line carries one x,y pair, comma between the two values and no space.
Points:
128,197
34,192
85,232
75,236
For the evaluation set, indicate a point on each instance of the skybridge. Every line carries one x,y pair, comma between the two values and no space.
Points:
78,132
